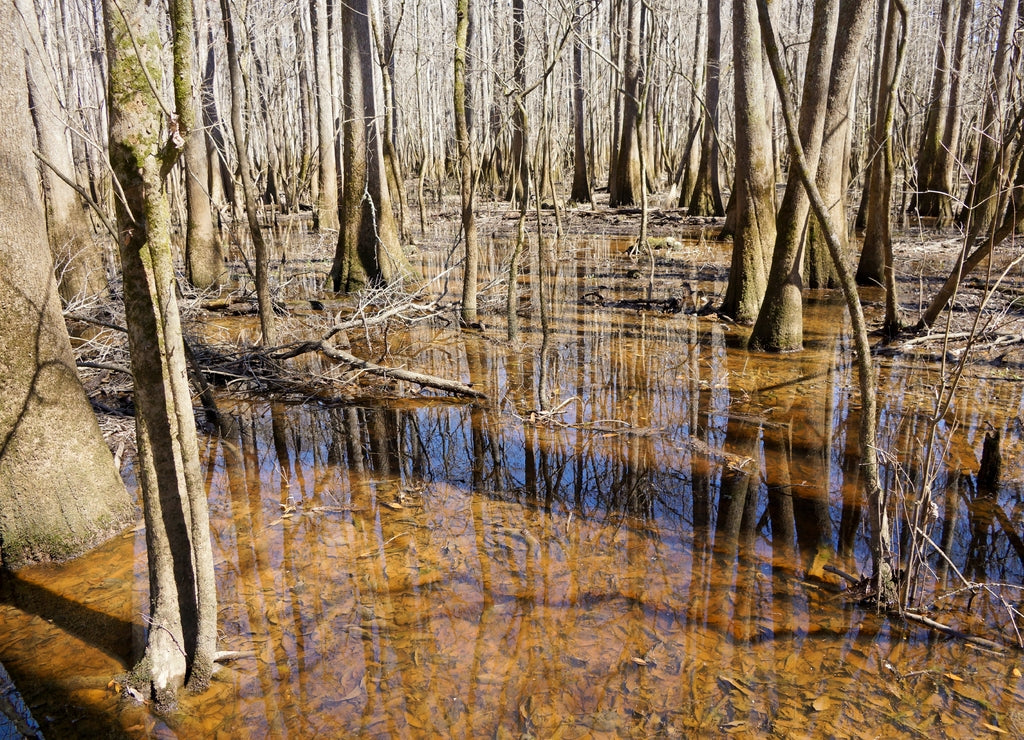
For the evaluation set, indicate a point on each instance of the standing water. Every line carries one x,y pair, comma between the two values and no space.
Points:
632,537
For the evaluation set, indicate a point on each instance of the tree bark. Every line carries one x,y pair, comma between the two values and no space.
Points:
580,192
754,192
706,199
77,258
625,186
779,324
204,257
264,299
325,211
181,641
369,250
60,493
467,171
834,160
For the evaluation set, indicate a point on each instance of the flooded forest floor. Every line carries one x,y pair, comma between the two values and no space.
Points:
635,534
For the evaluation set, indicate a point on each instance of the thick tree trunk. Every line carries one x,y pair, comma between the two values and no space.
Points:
204,258
753,197
78,260
60,492
925,201
369,249
779,325
580,172
183,610
834,160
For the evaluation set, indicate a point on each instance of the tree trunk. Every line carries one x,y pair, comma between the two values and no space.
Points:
706,199
263,297
779,325
580,173
204,258
77,259
60,492
834,160
625,186
925,201
753,196
947,178
519,183
369,250
466,168
980,213
183,610
877,250
325,210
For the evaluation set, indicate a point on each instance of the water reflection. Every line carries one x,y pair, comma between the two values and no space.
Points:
628,539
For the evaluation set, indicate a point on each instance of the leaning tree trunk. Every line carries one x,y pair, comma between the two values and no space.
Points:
60,492
204,258
77,258
183,605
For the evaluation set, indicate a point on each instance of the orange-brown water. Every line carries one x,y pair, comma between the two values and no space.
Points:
621,542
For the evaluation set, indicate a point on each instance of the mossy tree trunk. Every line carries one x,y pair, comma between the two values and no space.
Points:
60,492
183,609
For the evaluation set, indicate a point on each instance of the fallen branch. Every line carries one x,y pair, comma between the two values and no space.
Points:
339,355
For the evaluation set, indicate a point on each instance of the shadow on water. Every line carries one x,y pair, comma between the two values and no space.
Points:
628,539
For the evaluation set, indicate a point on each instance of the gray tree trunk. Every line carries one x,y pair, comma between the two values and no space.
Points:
60,492
325,210
77,258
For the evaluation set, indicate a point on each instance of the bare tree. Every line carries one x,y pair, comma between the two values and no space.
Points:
183,604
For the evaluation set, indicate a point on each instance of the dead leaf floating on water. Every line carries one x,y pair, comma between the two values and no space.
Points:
821,704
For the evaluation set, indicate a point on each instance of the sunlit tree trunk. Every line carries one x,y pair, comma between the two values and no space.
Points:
325,211
183,610
706,199
834,164
947,162
929,181
238,129
60,492
983,200
369,250
779,324
754,195
204,258
519,178
78,259
878,237
466,168
625,184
